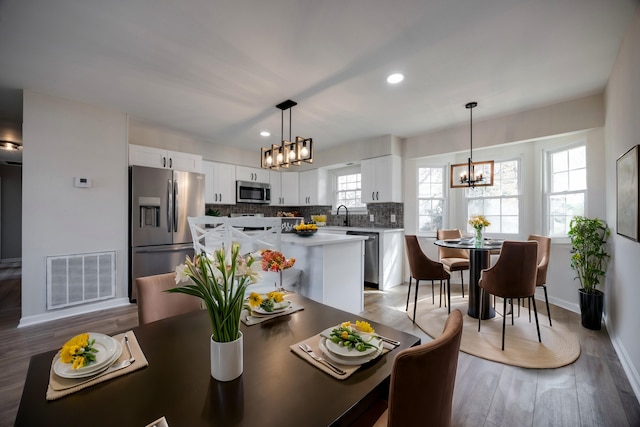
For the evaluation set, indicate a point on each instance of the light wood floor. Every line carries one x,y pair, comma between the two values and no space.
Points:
593,391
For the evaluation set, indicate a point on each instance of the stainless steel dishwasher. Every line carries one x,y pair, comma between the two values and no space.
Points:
371,257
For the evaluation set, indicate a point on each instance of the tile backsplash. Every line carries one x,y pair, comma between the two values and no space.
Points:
382,213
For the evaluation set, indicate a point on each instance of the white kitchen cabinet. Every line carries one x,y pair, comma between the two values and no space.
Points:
244,173
165,159
284,188
313,187
220,183
381,179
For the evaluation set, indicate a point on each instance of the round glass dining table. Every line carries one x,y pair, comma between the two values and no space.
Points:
479,259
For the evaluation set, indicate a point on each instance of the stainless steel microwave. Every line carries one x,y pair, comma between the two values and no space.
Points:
253,192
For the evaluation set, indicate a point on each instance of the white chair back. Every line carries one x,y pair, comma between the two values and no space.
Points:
210,233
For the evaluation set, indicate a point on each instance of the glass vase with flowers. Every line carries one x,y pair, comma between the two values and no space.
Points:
276,261
479,222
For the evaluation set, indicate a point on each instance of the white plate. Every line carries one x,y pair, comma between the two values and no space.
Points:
278,307
351,361
452,241
351,352
109,350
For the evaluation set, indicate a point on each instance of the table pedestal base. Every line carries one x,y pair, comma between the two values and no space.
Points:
480,260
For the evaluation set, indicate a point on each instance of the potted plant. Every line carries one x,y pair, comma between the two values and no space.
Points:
221,285
589,260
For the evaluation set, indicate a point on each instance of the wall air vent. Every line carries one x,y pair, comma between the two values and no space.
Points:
80,279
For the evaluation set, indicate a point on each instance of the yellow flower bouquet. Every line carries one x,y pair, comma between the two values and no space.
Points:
479,222
79,351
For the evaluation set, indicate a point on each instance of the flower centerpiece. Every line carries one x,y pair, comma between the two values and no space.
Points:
79,351
221,284
276,261
479,222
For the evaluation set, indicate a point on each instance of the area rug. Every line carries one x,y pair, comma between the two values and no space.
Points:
559,345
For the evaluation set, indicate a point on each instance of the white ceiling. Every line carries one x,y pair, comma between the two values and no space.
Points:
216,69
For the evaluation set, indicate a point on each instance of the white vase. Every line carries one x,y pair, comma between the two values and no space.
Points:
226,359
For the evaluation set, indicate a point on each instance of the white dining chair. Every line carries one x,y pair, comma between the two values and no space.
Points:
253,234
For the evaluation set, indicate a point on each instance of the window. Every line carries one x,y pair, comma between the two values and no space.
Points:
566,188
348,189
500,204
431,198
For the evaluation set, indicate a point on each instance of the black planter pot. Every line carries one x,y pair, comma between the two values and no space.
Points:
591,306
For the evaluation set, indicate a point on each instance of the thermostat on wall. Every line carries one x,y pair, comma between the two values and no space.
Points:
82,182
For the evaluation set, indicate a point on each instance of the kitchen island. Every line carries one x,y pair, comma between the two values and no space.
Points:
332,268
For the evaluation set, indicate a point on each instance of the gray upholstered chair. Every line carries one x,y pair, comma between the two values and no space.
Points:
155,304
453,259
423,268
512,276
423,379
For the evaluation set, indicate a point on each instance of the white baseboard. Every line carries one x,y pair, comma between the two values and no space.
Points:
626,362
74,311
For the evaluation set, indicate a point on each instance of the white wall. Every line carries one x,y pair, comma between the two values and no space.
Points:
622,129
64,139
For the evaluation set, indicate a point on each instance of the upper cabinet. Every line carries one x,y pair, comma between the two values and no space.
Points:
244,173
157,158
284,188
381,179
313,187
220,183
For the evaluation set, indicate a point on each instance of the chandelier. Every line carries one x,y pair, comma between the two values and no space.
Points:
289,152
471,174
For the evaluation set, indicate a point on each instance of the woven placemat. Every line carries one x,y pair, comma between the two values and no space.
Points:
59,387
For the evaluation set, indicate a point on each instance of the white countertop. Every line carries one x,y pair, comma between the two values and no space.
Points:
319,239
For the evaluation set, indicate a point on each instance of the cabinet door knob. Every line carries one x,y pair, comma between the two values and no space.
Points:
164,162
377,196
170,163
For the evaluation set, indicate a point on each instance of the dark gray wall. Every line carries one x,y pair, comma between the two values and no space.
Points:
11,212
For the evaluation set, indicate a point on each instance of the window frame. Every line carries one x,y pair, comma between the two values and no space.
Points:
519,196
547,153
335,174
445,196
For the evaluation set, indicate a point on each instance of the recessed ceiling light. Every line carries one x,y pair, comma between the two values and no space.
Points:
265,133
395,78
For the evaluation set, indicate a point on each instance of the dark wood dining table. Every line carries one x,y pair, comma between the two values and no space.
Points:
277,387
479,259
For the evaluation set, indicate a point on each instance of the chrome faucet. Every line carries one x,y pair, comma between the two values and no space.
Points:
346,220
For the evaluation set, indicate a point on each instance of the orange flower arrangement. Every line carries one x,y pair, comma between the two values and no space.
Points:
275,261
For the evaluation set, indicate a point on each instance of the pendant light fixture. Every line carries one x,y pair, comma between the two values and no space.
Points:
471,174
289,152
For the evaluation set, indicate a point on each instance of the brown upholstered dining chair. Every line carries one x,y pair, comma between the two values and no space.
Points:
155,304
512,276
453,259
544,253
423,268
423,379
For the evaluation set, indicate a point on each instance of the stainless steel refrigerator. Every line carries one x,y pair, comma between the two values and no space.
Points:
160,200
